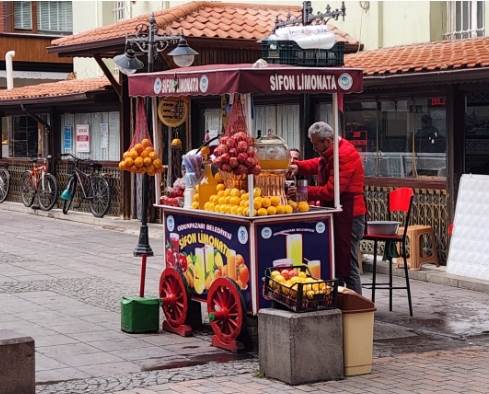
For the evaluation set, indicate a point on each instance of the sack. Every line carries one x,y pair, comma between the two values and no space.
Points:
141,156
236,153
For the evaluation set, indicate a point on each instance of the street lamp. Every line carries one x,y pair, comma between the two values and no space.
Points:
146,40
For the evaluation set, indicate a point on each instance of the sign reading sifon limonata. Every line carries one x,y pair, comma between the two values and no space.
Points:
302,82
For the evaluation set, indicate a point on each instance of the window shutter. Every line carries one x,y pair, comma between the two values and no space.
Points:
55,16
23,15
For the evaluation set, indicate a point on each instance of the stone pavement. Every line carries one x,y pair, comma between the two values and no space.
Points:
61,282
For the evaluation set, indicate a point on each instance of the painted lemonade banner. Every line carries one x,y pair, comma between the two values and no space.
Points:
206,251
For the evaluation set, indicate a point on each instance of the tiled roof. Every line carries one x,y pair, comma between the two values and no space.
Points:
203,19
433,56
54,89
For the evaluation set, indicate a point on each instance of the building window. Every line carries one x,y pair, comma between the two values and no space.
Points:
282,120
399,138
465,19
54,17
119,10
23,15
103,131
23,137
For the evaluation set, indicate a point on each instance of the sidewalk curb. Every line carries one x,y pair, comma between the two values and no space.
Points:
431,274
108,222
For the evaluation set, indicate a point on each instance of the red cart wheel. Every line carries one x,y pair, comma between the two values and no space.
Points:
174,302
226,313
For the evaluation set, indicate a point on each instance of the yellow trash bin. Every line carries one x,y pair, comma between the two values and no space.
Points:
358,331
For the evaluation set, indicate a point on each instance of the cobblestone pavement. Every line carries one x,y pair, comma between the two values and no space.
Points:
61,283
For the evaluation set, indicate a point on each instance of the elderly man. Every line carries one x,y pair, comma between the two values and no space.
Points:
350,223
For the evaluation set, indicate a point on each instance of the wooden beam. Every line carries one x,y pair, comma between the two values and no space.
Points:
110,77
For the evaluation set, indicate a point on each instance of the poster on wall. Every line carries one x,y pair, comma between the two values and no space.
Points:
67,138
206,249
82,138
104,135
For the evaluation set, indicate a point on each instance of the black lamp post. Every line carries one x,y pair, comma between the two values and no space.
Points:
146,40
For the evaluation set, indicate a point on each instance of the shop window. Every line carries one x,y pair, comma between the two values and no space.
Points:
282,120
23,15
101,129
477,134
23,137
54,17
465,19
119,10
399,138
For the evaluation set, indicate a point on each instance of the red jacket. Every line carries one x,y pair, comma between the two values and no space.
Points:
352,176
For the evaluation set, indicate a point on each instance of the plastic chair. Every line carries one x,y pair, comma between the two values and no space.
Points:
400,201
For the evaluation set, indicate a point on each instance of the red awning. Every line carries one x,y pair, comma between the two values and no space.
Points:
217,79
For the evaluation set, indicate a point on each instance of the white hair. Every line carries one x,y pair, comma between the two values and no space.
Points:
321,129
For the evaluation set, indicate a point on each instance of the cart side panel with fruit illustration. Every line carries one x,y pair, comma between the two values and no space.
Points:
293,243
204,249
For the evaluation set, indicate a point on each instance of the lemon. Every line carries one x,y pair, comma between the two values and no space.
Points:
280,209
228,200
206,206
274,273
220,193
226,192
213,198
257,202
303,206
262,212
256,192
217,208
292,203
271,210
275,201
195,197
221,200
245,196
220,187
235,210
234,200
302,274
241,192
265,202
288,209
211,207
195,205
235,192
244,204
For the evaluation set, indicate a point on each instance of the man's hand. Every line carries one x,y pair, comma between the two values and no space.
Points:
293,169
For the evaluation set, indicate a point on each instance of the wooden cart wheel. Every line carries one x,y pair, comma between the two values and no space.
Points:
175,302
226,313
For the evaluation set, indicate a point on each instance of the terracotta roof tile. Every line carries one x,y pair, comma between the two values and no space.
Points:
225,20
54,89
441,55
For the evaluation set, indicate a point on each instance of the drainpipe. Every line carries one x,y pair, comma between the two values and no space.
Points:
9,69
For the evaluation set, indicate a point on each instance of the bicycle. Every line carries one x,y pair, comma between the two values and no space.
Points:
4,183
38,182
94,187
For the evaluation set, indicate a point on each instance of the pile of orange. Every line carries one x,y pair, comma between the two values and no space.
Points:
141,158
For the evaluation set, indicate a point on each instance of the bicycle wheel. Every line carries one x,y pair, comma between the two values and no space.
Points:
100,199
71,187
28,190
48,192
4,184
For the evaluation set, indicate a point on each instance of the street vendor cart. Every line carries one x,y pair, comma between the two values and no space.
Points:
217,252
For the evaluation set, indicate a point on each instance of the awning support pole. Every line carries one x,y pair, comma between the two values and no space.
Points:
336,158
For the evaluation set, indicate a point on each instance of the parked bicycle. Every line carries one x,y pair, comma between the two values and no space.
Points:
93,186
38,182
4,183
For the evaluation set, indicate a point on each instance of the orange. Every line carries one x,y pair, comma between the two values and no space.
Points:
133,153
150,168
157,164
125,154
129,162
133,168
138,162
122,165
147,161
153,155
146,142
138,148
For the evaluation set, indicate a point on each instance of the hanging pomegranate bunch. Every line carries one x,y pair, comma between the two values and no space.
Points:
236,153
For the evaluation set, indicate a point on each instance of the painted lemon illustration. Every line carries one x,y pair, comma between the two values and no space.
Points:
218,260
199,277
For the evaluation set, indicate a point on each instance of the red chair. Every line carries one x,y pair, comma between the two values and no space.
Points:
400,201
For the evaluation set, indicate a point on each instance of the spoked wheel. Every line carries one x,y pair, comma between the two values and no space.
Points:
175,302
100,201
48,192
226,313
28,190
4,184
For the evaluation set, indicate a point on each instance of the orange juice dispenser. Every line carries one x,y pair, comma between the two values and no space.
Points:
208,184
273,156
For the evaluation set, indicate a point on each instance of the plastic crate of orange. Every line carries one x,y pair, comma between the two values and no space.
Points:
302,294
